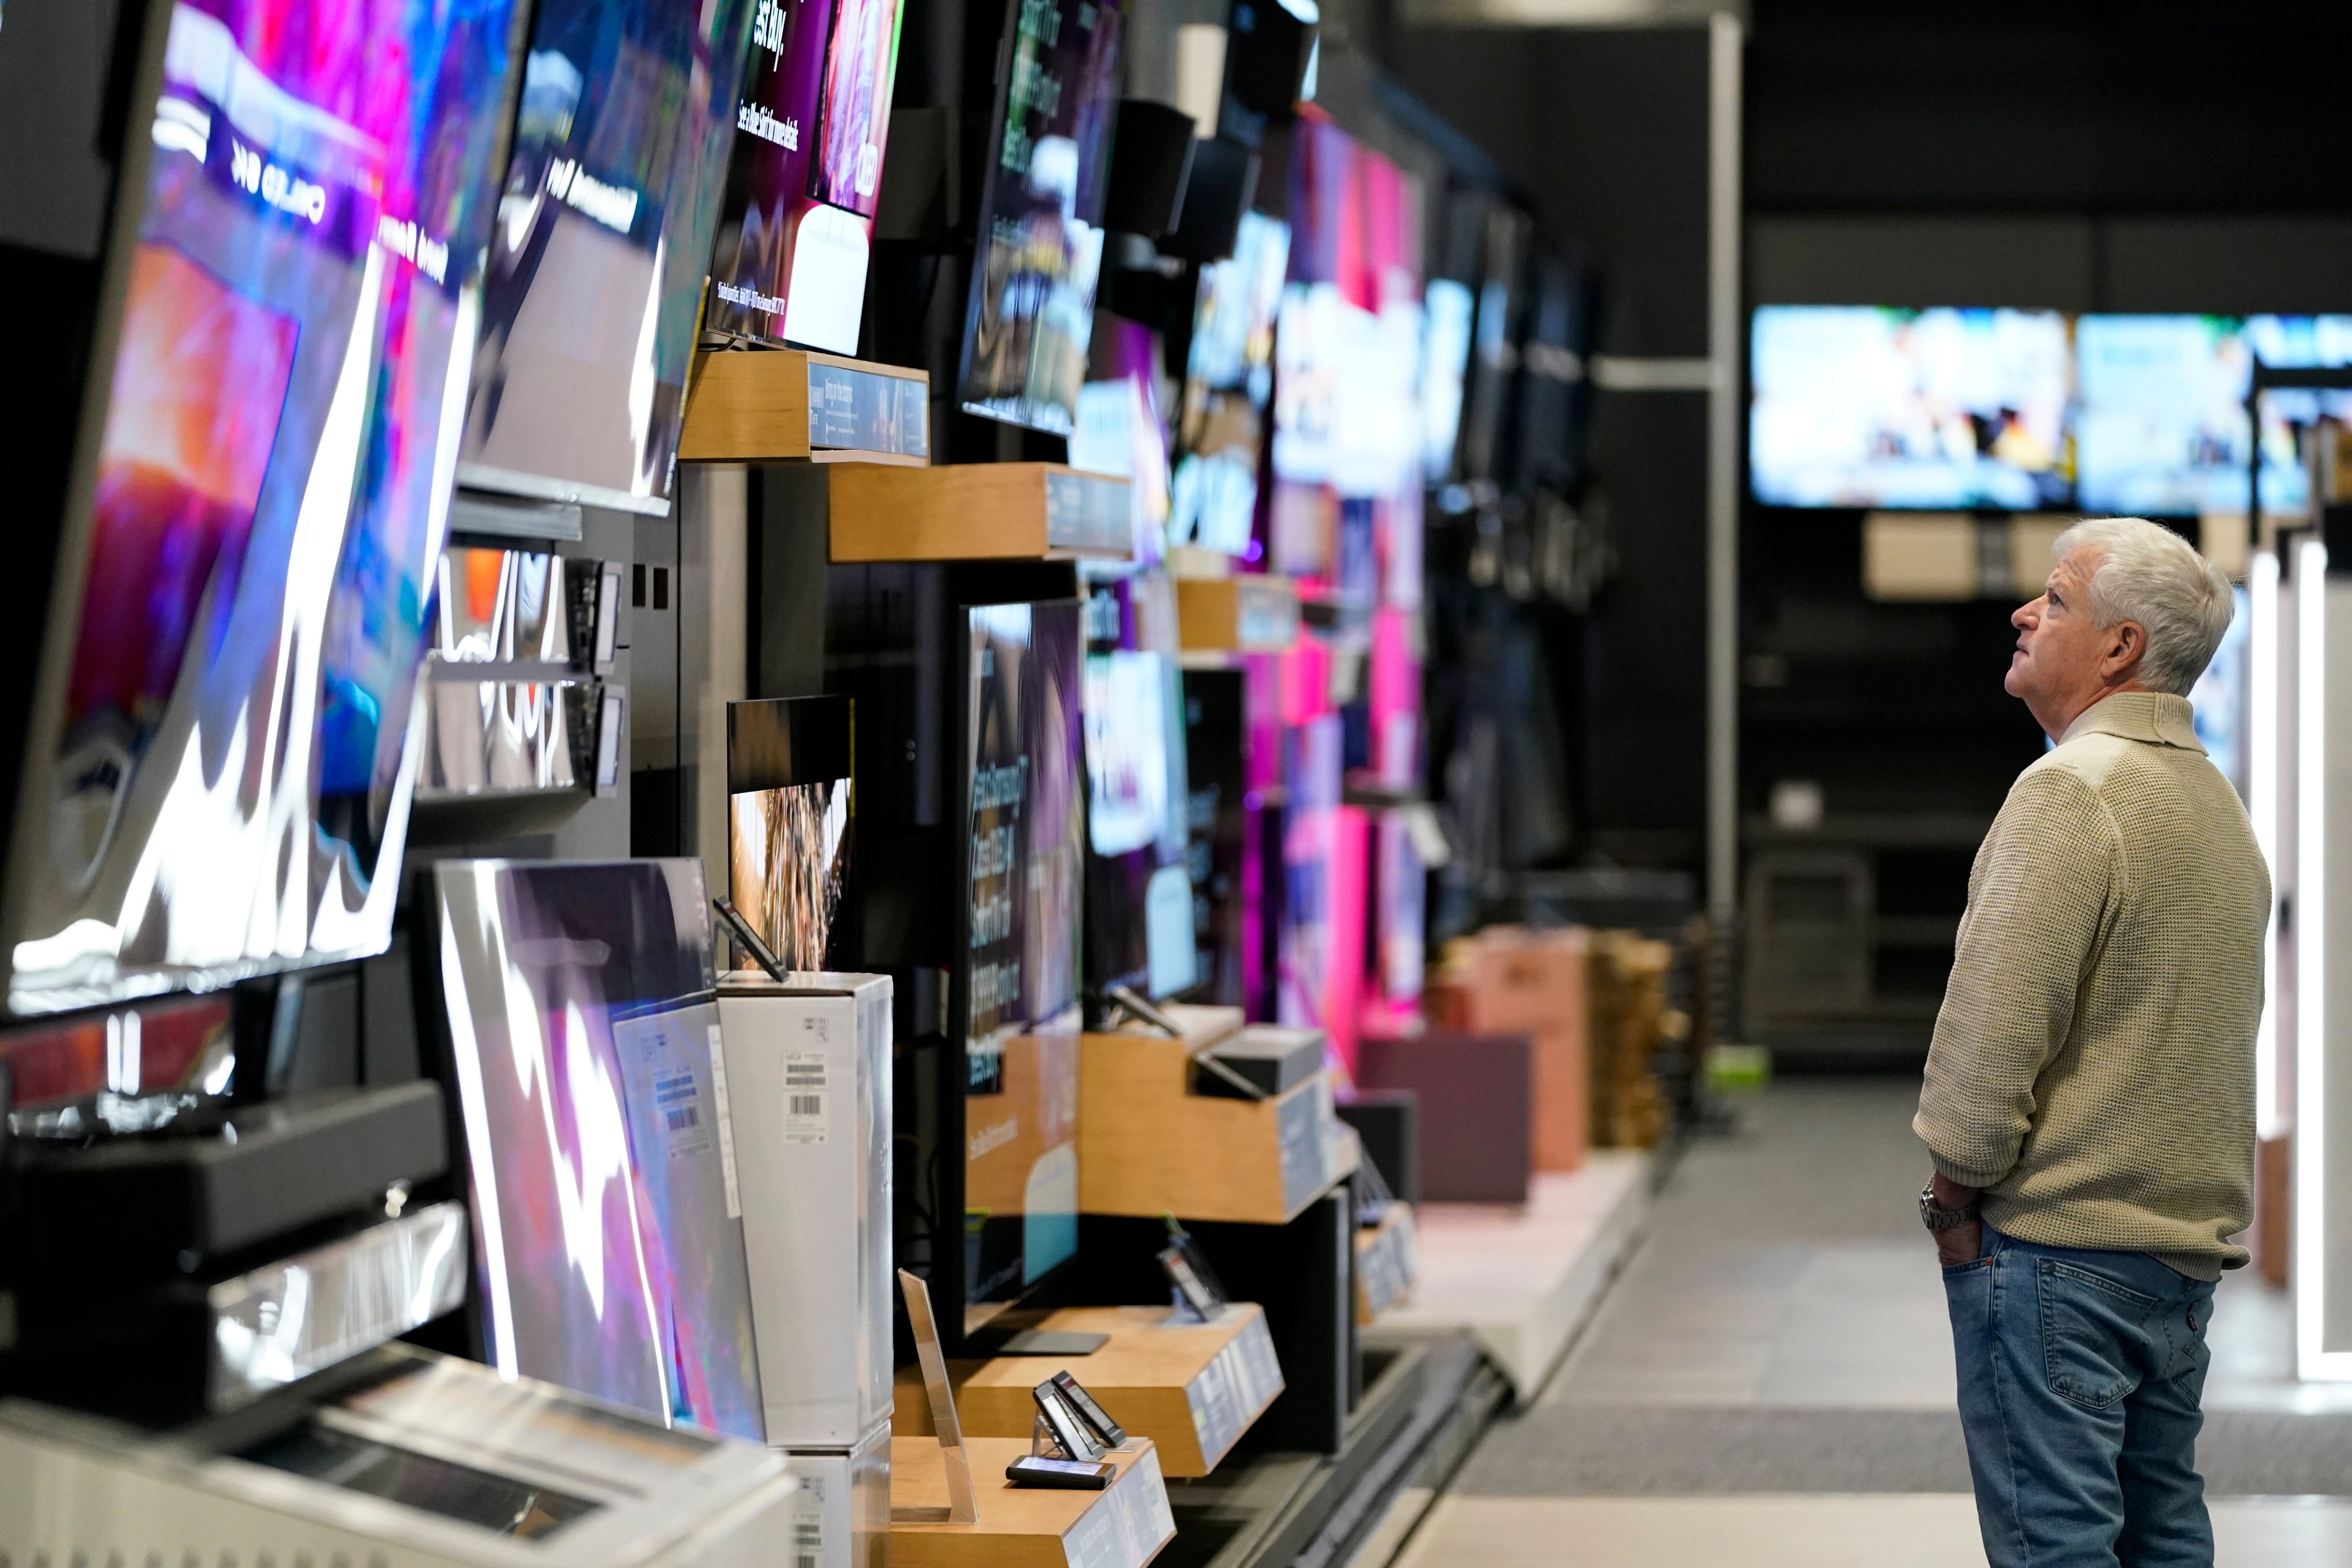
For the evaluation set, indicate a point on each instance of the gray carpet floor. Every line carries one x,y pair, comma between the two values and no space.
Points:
1782,1330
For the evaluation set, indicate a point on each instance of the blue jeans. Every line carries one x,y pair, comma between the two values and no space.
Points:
2079,1373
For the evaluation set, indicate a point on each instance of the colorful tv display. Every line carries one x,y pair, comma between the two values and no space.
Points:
602,242
810,122
224,753
1025,817
1860,407
582,1016
789,826
1228,386
1031,309
2160,422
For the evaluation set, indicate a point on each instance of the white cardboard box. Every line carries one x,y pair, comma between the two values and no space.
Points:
807,1102
841,1516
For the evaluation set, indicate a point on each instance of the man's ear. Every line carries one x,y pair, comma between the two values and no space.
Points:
2126,645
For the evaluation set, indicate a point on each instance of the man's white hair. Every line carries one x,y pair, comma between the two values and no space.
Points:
2147,574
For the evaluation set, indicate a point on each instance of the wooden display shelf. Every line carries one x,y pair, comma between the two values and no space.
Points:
768,405
1125,1525
976,512
1149,1146
1193,1388
1246,613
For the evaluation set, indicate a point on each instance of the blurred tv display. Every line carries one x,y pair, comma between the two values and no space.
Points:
811,120
602,242
1025,819
1138,894
2221,698
224,754
2160,425
580,1016
1031,309
1447,308
1228,385
789,826
1861,406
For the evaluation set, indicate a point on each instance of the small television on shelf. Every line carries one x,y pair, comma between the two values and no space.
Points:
602,242
2160,418
811,119
1862,407
1031,308
224,738
1014,994
789,828
577,1019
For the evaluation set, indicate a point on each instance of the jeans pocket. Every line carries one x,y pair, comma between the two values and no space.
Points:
2093,1332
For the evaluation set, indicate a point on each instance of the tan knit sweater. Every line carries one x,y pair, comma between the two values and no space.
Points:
2092,1066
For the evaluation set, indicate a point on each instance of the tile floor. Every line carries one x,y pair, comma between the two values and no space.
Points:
1770,1381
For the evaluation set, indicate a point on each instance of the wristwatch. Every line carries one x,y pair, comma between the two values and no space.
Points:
1941,1219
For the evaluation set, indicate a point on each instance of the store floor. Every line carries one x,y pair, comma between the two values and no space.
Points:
1770,1381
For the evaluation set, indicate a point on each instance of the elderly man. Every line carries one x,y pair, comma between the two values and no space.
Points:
2090,1093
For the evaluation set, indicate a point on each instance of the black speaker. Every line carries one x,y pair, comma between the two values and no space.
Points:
1151,162
1267,51
1222,186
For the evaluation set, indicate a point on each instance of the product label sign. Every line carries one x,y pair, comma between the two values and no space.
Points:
806,1117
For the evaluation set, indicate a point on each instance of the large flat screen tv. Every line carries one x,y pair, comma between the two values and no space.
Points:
602,242
1138,927
224,743
578,1003
2160,421
810,122
1860,407
790,825
1016,992
1031,308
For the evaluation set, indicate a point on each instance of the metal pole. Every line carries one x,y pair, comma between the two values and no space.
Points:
1725,37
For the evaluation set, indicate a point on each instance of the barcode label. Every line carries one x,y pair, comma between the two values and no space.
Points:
808,1544
806,1117
679,1100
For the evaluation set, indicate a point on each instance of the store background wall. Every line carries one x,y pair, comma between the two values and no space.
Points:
1604,131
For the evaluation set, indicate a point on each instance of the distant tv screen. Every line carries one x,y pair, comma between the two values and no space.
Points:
220,779
1025,823
582,1020
811,120
1139,893
1228,386
1031,309
2161,420
789,827
1860,407
604,239
1447,307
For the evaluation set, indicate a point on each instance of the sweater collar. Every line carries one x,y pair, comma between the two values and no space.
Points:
2154,718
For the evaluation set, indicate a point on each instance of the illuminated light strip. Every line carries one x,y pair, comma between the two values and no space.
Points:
2315,1363
2273,1115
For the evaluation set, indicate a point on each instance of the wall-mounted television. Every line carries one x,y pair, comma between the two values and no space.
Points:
1031,308
2160,416
1860,407
577,1005
791,826
224,743
602,242
811,119
1228,386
